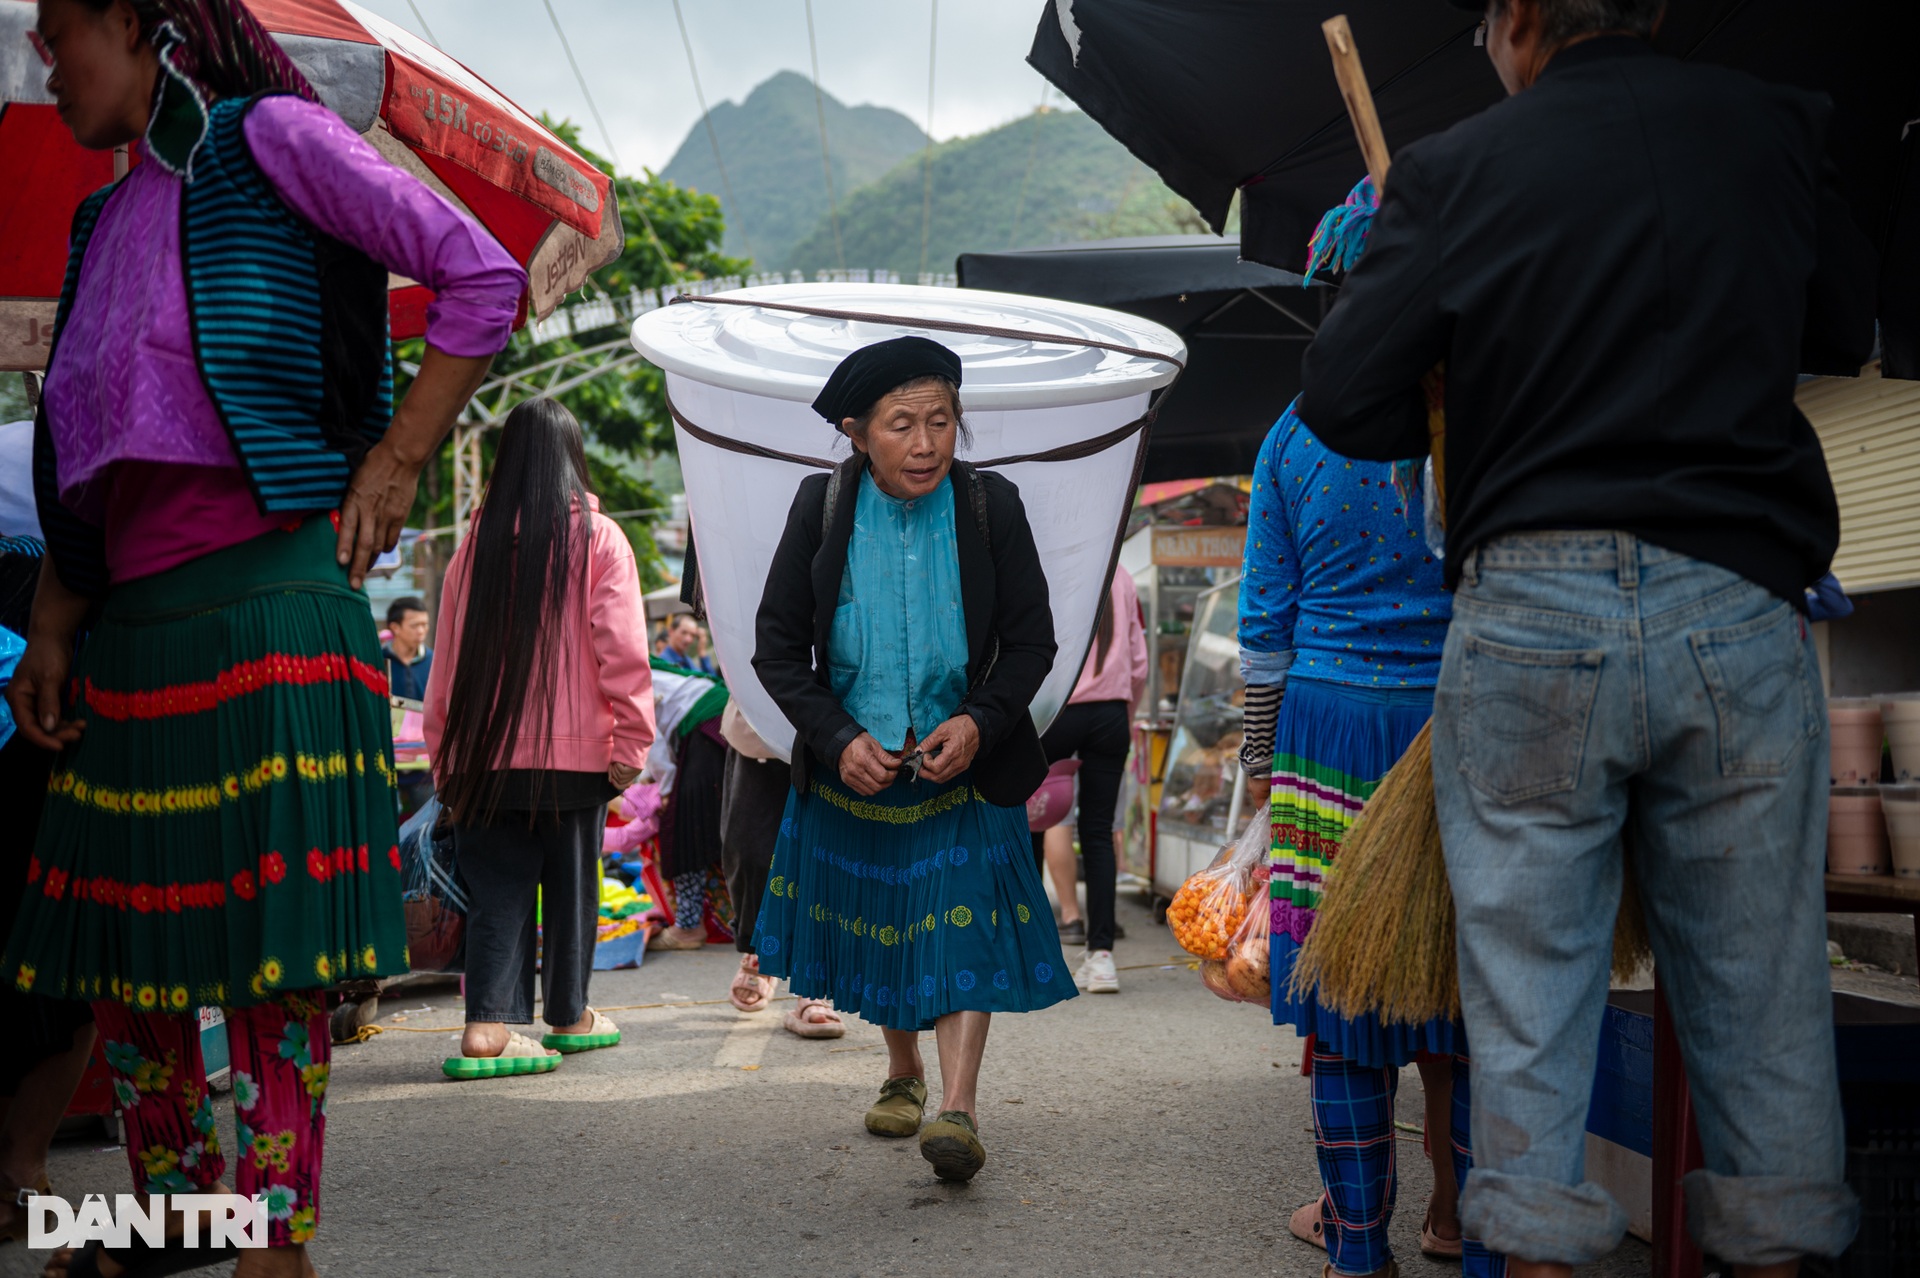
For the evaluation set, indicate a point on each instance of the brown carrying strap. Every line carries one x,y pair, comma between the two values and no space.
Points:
1066,452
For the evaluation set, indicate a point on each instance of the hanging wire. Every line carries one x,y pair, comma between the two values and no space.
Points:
639,206
926,162
1033,149
826,161
421,18
713,139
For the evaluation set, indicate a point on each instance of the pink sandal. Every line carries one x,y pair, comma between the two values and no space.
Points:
1306,1225
814,1018
750,992
1433,1246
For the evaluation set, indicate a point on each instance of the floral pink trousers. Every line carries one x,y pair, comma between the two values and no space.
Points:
280,1053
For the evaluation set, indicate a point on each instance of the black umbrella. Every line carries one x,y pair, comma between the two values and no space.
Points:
1225,95
1244,324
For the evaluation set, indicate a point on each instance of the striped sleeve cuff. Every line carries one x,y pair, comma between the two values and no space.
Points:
1261,717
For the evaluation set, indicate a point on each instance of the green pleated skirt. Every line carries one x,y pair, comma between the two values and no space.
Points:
919,901
224,830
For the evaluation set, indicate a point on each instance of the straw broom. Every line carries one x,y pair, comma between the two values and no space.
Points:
1383,936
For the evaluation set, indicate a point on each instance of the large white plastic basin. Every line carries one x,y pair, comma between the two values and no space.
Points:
750,374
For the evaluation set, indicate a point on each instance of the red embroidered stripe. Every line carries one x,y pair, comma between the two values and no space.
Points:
173,898
249,676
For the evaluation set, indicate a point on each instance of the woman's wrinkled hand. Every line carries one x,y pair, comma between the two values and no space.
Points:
34,694
376,505
621,775
949,748
866,767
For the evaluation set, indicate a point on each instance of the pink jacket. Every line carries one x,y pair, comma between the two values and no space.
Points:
1124,676
603,706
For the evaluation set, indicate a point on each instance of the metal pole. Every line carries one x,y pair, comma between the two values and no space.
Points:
467,480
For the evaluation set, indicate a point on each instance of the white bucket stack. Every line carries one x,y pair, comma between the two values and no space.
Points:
1874,828
749,375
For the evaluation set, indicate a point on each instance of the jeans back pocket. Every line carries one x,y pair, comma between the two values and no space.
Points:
1763,703
1522,730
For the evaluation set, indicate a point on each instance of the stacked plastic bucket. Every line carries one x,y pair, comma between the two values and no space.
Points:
1874,828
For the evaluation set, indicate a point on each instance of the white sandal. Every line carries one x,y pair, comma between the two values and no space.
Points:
521,1055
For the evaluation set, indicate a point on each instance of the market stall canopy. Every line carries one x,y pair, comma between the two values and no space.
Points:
1244,324
422,110
1219,96
665,603
1058,418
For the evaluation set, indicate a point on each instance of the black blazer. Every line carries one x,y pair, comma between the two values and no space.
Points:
1623,267
1010,645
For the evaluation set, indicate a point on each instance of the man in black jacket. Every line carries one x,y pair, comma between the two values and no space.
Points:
1623,267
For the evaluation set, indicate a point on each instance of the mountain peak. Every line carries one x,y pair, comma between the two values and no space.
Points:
770,143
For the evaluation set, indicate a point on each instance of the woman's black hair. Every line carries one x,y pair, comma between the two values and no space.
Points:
528,555
1103,631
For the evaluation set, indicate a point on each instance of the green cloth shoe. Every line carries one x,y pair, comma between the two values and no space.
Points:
952,1144
902,1104
603,1034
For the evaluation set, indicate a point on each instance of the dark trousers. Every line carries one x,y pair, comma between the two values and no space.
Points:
753,799
1100,733
501,864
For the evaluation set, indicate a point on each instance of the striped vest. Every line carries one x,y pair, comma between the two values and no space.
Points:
289,332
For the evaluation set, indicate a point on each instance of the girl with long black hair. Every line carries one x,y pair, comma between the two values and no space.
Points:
539,711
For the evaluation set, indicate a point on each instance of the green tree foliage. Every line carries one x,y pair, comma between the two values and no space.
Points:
624,412
1049,178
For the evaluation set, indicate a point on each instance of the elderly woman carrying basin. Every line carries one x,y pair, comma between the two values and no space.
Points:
904,631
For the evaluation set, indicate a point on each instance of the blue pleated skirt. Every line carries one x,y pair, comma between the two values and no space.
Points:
904,906
1332,744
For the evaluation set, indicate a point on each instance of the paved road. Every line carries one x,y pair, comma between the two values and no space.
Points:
1160,1132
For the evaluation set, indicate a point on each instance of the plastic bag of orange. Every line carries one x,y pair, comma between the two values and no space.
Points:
1247,974
1211,906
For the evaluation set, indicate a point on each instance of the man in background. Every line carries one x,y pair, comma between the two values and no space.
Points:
683,645
409,660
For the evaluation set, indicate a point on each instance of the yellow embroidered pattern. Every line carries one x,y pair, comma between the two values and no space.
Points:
189,799
912,815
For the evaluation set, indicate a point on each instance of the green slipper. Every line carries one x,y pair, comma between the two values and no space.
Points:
902,1104
603,1034
520,1056
952,1144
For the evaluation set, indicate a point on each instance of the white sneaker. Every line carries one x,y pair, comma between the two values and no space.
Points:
1096,974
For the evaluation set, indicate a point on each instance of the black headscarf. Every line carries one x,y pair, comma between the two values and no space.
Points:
872,371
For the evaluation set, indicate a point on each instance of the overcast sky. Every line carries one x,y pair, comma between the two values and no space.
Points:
630,52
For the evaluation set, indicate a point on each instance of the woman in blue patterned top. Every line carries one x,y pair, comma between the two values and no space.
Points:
1342,609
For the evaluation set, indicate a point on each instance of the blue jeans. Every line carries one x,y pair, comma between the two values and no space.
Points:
1600,694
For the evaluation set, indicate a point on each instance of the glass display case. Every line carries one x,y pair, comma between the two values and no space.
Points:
1200,795
1173,567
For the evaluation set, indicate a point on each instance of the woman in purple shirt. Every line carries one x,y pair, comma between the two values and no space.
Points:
214,466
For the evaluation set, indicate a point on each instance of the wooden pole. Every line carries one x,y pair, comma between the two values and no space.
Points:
1359,99
1373,147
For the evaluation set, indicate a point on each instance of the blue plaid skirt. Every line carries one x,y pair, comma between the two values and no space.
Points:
918,901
